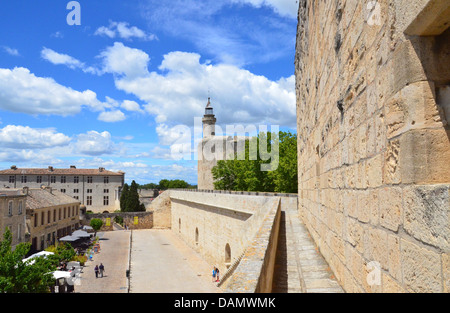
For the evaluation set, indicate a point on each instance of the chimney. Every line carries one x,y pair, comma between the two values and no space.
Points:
73,166
14,167
50,168
101,169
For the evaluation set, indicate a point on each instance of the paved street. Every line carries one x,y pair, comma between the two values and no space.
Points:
160,263
114,250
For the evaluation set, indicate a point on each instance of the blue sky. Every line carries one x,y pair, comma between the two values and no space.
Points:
122,89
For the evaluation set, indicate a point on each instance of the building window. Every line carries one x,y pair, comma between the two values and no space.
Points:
105,190
52,179
89,179
10,208
76,191
35,219
20,207
42,218
76,197
54,215
89,191
48,217
39,179
59,214
63,190
76,179
106,180
24,179
12,179
89,200
63,179
64,216
105,200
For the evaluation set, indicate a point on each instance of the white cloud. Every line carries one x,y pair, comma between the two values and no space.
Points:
24,137
131,106
64,59
27,157
124,31
22,91
178,94
111,116
122,60
94,143
287,8
59,58
11,51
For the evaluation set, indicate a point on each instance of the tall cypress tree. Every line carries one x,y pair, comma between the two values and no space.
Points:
133,198
124,198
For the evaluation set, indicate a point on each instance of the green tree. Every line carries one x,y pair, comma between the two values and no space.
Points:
244,172
129,200
96,224
164,184
133,198
17,276
285,176
124,197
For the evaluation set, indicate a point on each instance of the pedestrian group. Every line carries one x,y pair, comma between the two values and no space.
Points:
99,270
215,275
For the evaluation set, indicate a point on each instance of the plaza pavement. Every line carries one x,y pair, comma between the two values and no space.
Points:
159,263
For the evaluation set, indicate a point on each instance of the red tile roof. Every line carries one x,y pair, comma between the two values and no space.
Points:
60,171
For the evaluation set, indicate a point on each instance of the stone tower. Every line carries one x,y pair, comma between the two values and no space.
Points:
209,121
213,148
205,160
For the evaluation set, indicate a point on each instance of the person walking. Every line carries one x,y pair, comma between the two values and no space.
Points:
214,274
102,269
217,274
96,271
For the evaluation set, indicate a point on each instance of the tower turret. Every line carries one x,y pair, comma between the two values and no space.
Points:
209,121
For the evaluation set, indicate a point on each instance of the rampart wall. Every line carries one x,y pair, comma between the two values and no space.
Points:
372,83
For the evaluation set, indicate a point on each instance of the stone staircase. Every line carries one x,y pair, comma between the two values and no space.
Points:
299,266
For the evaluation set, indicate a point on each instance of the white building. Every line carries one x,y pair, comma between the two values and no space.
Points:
97,189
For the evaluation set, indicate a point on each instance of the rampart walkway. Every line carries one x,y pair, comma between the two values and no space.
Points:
160,263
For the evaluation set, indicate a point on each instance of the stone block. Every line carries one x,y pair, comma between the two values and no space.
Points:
391,170
364,206
394,260
390,285
390,207
421,268
427,214
406,67
446,271
354,234
413,107
424,156
375,249
374,171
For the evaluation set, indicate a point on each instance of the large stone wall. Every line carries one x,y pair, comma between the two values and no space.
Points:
225,226
373,140
209,222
